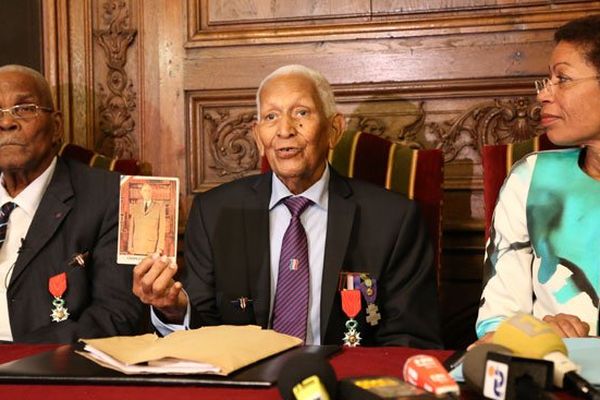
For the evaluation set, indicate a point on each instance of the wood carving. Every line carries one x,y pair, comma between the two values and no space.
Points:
118,102
231,143
387,126
498,121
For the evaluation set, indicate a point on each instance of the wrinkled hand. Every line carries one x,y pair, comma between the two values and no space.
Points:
567,325
487,338
153,283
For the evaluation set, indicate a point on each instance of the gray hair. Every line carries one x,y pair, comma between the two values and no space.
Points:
321,85
42,85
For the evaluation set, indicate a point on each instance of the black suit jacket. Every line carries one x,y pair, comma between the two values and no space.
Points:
369,229
78,213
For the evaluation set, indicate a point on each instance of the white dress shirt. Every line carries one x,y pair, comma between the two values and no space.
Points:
314,220
18,224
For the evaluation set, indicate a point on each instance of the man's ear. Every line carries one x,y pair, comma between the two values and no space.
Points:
259,144
336,129
57,127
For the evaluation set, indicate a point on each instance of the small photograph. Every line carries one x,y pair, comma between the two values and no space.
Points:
148,217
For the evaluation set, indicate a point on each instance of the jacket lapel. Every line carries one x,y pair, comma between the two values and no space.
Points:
339,227
256,226
52,210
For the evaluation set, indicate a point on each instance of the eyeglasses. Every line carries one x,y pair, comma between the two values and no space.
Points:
24,111
546,83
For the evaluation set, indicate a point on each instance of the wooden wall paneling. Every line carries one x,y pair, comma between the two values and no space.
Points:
406,60
163,127
240,11
417,6
116,77
378,23
78,68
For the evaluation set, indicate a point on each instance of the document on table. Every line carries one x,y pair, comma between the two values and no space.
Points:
216,350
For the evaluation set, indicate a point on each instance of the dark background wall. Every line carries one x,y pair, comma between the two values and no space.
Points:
20,27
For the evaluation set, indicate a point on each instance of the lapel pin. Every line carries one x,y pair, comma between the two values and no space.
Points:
79,259
242,302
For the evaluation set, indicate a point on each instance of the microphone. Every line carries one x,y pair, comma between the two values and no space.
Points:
424,378
428,373
307,376
493,371
527,336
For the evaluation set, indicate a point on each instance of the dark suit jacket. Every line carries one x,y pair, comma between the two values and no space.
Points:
78,213
369,230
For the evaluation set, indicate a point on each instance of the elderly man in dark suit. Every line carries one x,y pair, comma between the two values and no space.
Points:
58,228
360,250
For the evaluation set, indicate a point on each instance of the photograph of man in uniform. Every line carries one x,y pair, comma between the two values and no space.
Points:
148,218
147,225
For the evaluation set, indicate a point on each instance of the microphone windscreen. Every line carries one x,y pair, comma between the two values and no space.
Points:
302,366
528,337
474,363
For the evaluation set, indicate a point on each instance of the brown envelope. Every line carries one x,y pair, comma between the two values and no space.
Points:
227,347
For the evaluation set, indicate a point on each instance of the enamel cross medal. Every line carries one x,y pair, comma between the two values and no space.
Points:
368,287
57,286
351,307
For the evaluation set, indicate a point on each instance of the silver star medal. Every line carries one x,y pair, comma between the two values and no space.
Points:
59,311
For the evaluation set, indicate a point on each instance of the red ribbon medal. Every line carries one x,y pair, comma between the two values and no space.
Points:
351,302
57,285
351,307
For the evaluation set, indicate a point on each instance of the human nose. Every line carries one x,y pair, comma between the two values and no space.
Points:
7,121
287,126
545,95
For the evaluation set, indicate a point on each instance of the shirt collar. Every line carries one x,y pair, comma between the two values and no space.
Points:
29,199
317,192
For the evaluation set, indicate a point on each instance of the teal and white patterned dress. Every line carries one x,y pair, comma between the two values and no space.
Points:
543,255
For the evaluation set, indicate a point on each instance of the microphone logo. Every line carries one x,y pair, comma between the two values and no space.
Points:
494,386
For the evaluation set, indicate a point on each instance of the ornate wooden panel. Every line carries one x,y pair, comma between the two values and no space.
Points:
216,23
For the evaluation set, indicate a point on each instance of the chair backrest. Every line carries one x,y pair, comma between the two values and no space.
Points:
93,159
497,160
416,173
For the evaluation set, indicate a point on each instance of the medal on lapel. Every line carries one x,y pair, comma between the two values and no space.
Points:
368,288
351,305
57,285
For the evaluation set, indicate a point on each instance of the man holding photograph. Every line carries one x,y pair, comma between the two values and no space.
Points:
275,249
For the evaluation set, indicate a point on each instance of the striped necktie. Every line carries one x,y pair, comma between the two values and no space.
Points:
290,310
5,211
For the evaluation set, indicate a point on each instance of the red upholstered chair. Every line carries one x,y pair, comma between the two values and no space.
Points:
416,173
93,159
497,160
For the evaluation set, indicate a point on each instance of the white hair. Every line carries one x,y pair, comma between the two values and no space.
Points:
321,85
41,83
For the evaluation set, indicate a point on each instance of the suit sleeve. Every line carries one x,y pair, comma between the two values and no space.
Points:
198,276
408,289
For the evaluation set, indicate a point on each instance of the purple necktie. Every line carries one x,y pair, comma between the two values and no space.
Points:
5,211
290,310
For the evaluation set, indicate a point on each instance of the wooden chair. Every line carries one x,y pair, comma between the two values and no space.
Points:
416,173
497,160
93,159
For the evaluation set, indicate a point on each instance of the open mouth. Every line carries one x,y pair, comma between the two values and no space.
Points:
286,152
